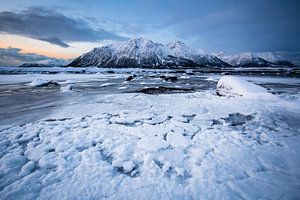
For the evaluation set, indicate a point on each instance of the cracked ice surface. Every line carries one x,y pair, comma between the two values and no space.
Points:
170,146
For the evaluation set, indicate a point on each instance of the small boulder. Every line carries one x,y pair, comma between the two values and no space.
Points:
169,78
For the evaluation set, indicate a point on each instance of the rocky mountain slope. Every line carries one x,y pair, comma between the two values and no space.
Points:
142,52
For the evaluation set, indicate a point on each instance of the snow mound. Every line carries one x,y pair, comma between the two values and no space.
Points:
236,86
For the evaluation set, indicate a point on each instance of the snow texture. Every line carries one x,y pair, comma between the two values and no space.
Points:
169,146
235,86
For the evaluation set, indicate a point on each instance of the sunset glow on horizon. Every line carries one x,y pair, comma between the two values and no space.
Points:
29,45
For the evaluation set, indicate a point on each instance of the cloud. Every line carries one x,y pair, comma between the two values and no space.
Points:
245,26
13,57
53,27
55,40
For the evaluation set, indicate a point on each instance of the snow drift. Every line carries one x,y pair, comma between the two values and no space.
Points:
236,86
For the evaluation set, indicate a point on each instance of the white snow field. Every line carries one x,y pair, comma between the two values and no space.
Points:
168,146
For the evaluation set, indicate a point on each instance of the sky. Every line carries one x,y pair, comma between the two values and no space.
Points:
35,30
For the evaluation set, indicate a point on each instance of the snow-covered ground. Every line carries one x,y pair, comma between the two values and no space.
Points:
120,144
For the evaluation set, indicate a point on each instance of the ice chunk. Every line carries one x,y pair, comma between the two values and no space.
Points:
106,84
212,79
166,166
70,81
66,88
128,166
28,168
122,88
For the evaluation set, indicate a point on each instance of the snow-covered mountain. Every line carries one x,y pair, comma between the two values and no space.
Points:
179,49
263,59
247,59
142,52
281,57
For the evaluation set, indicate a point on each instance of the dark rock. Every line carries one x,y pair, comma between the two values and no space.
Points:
164,90
130,78
50,83
171,78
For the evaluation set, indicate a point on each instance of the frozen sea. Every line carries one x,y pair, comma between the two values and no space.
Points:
144,134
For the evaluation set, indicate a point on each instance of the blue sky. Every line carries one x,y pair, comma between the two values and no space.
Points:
67,28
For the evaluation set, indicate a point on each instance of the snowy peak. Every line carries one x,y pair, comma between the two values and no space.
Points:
138,45
244,59
141,52
180,49
261,59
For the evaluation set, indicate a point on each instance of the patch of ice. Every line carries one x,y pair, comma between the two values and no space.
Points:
69,82
66,88
189,71
212,78
106,84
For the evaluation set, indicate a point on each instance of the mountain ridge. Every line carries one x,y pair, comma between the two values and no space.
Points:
141,52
